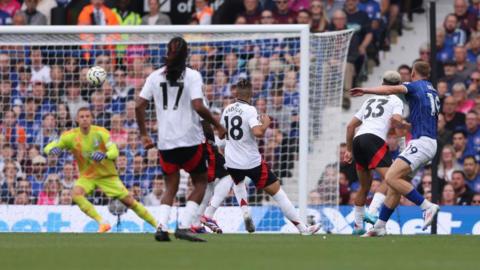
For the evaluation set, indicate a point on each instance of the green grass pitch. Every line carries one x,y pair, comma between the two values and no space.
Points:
232,252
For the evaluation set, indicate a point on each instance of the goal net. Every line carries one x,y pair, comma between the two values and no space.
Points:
297,79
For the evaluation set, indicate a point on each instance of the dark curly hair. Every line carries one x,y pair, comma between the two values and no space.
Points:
176,59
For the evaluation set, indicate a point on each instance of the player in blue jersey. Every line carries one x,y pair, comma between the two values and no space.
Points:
424,107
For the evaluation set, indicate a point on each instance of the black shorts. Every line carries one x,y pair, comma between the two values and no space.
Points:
216,163
192,159
370,152
261,176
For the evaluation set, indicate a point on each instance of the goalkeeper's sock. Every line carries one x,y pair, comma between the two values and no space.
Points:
87,208
240,191
201,209
222,188
143,213
164,216
187,216
289,210
359,215
377,201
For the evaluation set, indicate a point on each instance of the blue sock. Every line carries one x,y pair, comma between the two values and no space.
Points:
415,197
385,213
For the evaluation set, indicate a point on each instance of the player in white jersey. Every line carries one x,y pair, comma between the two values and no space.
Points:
242,157
178,96
370,151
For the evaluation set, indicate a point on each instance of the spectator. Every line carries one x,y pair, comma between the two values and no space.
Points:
454,36
424,52
118,134
56,88
33,16
101,113
37,177
155,17
65,197
252,11
140,177
40,72
152,168
291,96
124,15
48,131
474,50
134,146
267,17
442,90
221,88
455,120
474,86
459,93
464,68
122,168
51,188
232,69
405,72
137,193
8,181
64,122
448,163
444,136
425,184
448,195
67,176
130,119
466,19
21,198
444,53
331,6
97,14
462,150
28,119
122,91
23,186
319,16
203,12
304,17
282,14
473,131
20,18
476,199
463,193
73,99
155,196
9,6
359,21
472,173
13,132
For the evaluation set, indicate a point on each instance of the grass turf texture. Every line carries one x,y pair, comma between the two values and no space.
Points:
232,252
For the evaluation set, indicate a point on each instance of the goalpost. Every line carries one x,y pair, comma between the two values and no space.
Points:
297,79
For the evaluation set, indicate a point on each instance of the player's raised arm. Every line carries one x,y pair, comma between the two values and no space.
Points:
379,90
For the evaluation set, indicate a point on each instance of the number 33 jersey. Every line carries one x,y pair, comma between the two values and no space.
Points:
178,123
241,149
376,113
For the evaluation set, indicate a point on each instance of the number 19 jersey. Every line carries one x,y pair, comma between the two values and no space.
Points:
376,113
241,149
178,123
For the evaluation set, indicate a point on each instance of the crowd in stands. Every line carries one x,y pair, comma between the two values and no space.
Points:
458,69
41,89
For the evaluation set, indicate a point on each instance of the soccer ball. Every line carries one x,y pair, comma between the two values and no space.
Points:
96,76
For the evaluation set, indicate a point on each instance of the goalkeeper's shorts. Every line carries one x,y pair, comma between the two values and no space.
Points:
111,186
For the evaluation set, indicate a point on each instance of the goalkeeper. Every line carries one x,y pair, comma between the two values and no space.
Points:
95,155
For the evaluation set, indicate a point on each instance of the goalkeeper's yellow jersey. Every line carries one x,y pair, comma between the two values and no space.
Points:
83,146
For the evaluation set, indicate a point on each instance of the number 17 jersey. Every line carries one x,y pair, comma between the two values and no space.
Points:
241,149
376,113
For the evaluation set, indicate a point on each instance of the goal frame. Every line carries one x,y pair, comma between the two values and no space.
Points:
302,30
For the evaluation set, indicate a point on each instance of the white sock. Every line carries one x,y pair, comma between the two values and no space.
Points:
222,188
288,209
240,191
425,204
377,201
203,205
359,215
187,217
164,216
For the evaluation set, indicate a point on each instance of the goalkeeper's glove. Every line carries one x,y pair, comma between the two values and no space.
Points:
98,156
55,151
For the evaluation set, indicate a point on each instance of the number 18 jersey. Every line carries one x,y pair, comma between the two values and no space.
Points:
241,149
376,113
178,123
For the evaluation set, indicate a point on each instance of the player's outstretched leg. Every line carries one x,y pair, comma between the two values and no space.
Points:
365,177
222,188
199,181
240,191
197,226
139,209
171,188
87,207
371,216
277,193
